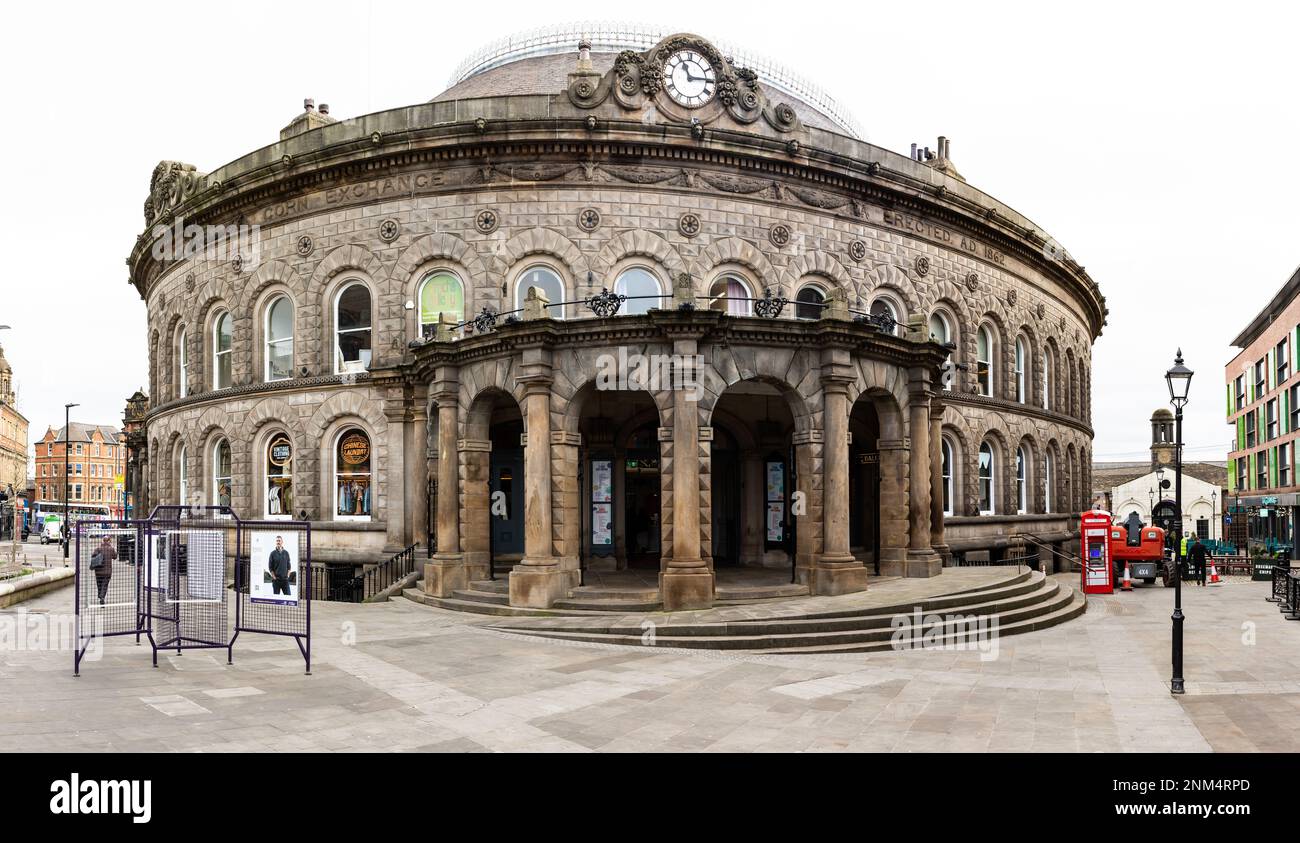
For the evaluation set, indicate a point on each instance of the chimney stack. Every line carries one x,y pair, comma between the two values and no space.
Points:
324,108
584,54
308,104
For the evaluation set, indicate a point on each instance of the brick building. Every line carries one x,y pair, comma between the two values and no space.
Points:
96,461
13,435
871,365
1263,407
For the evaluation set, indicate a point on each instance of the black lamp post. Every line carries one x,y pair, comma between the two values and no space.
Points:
67,481
1179,379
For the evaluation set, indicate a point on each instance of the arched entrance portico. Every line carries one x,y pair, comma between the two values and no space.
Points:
878,509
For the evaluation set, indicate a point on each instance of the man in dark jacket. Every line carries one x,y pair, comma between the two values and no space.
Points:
278,564
1200,558
101,563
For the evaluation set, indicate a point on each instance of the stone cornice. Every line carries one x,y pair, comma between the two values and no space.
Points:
345,152
220,396
1003,405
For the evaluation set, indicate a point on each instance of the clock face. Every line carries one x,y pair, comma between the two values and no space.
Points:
690,78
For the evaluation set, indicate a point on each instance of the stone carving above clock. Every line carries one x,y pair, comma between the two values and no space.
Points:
685,79
172,183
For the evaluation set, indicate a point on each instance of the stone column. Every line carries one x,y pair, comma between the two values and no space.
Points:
686,582
537,581
922,561
753,522
474,506
417,470
838,571
809,480
396,410
936,481
447,571
566,504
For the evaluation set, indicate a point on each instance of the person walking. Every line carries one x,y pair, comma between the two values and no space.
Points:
1200,559
101,564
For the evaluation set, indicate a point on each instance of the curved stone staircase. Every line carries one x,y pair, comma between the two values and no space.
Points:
1021,602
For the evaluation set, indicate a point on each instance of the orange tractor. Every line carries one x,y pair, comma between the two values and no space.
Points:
1141,547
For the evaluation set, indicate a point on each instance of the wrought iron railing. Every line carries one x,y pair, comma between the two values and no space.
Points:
389,573
607,304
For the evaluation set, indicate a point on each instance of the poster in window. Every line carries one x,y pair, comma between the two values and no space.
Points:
274,567
601,524
776,481
602,480
776,522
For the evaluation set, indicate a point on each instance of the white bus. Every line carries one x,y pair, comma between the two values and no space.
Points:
47,517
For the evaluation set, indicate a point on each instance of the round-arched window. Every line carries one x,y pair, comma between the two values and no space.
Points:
987,471
279,476
888,314
352,476
440,293
279,340
730,294
547,283
984,360
808,303
636,283
221,473
223,343
352,330
946,471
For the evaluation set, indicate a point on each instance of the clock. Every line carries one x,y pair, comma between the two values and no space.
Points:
690,79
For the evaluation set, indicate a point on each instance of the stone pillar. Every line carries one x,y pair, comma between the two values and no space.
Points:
566,504
922,561
893,506
838,571
753,524
686,582
936,481
537,581
447,571
417,470
396,410
475,504
809,480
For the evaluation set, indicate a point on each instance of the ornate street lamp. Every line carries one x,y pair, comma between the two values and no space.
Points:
1179,379
1214,512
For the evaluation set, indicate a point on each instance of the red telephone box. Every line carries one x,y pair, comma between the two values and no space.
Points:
1094,542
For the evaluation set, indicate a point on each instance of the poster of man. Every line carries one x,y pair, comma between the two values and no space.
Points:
274,574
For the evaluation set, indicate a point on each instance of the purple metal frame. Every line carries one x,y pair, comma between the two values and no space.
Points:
80,651
145,532
303,638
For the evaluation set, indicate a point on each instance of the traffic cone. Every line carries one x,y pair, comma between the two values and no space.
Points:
1127,585
1214,574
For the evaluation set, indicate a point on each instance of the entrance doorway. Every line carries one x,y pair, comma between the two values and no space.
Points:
641,519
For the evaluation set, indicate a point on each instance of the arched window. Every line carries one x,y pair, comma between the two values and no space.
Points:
547,283
1022,481
221,473
352,337
986,475
984,360
279,477
730,294
440,292
352,489
279,340
223,342
1048,476
1022,393
1047,379
635,283
947,463
882,307
940,332
183,476
183,365
808,303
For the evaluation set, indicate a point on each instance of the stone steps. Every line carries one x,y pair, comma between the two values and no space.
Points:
479,607
1030,601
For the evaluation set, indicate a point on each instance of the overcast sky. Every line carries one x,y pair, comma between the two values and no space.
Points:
1153,140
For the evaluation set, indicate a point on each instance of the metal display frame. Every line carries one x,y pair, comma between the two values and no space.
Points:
197,620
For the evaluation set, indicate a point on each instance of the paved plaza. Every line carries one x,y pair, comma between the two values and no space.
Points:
402,676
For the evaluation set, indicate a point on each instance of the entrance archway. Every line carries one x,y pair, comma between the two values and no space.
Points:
878,527
494,484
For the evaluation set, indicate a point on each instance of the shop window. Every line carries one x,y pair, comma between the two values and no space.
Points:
440,293
352,476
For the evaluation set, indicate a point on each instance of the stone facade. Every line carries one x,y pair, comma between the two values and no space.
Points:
13,435
488,189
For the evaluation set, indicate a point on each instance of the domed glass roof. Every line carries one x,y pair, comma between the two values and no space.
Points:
538,61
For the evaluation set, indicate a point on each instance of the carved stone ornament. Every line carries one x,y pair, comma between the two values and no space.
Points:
779,234
171,184
972,282
388,230
238,263
589,219
637,80
1040,310
922,266
689,225
189,282
305,245
1011,297
486,221
1060,323
858,250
